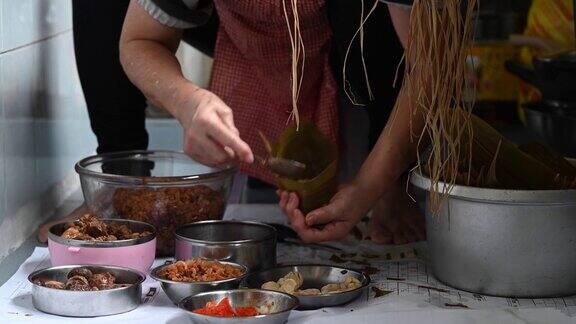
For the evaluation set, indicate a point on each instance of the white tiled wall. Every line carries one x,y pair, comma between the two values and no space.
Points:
44,125
27,21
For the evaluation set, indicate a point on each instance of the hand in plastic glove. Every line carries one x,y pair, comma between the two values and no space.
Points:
147,54
210,136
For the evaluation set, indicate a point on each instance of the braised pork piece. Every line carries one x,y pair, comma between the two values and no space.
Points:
92,228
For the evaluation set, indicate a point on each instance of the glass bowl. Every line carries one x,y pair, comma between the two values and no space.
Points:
164,188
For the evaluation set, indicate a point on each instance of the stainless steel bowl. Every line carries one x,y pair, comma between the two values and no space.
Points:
177,290
248,243
87,303
510,243
315,276
282,304
56,231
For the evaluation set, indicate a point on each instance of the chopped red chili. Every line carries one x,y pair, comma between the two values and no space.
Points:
224,309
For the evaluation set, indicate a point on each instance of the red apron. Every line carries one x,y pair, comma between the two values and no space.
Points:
252,70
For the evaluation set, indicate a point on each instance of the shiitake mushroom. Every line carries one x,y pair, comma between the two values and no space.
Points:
82,279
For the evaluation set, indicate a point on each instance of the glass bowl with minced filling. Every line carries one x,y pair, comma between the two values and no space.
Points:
164,188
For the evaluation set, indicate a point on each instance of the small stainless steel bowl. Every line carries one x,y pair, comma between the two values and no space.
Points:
87,303
248,243
282,304
315,276
178,290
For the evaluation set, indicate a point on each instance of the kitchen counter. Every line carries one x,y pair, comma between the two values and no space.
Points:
10,265
417,299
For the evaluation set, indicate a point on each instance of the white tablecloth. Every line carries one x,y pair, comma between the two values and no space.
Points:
416,298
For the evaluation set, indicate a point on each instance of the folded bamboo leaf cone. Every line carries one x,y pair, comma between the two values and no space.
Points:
309,146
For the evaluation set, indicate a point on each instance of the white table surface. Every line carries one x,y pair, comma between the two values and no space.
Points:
409,306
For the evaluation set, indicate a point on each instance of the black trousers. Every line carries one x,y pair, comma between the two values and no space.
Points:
115,106
382,53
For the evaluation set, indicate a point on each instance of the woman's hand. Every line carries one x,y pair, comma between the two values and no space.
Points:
210,136
147,53
329,223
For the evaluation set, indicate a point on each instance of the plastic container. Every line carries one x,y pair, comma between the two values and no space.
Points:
137,254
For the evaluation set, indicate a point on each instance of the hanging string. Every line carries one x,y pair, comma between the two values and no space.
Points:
298,54
370,94
359,32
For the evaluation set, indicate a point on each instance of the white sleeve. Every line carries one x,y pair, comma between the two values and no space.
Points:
191,13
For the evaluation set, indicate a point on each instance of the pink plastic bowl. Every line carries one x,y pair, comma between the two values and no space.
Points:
136,254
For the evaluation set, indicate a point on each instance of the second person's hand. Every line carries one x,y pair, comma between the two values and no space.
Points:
329,223
210,136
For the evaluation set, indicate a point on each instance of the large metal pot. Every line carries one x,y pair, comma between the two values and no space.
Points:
504,242
553,75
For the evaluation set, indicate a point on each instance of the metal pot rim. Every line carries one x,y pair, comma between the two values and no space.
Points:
104,244
563,197
272,232
294,305
539,109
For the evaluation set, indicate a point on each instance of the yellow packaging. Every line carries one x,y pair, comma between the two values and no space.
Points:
551,20
489,75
